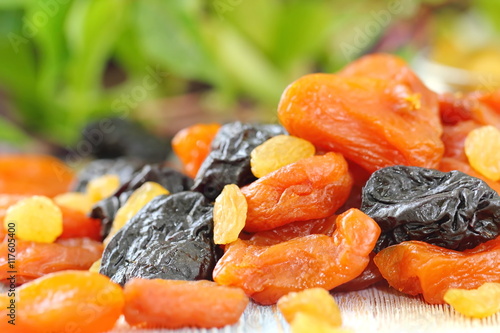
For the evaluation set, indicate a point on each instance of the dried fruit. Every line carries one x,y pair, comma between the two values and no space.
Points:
102,187
78,225
305,323
75,201
79,301
34,259
370,276
454,139
170,238
315,302
452,210
134,204
476,303
96,266
229,158
416,267
402,126
34,175
230,213
192,145
277,152
175,304
36,219
311,188
450,164
482,147
268,272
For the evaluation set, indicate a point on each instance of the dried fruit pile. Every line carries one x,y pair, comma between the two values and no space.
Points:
370,177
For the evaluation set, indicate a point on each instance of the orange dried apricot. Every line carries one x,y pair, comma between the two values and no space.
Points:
370,276
454,139
311,188
476,303
34,259
192,145
34,175
230,213
78,225
174,304
268,272
69,301
416,267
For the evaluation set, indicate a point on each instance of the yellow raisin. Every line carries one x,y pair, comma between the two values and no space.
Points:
315,302
96,266
102,187
144,194
74,200
482,147
477,303
36,218
306,323
230,214
277,152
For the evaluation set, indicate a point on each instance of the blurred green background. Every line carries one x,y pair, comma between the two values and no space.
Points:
169,63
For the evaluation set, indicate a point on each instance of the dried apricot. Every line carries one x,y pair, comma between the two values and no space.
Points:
76,301
34,175
36,219
311,188
416,267
268,272
192,145
142,196
305,323
102,187
370,276
174,304
482,147
78,225
331,112
454,139
477,303
316,302
75,201
230,213
277,152
34,259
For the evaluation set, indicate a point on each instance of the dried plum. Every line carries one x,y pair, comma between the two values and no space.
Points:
170,238
229,158
122,167
171,179
451,210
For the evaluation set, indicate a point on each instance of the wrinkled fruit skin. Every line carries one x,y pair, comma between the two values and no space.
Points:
370,276
229,158
450,164
416,267
34,259
172,180
476,303
330,111
175,304
266,273
311,188
452,210
62,302
170,238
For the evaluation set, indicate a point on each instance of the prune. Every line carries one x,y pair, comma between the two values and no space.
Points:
169,178
124,168
452,210
450,164
175,304
127,139
229,158
170,238
416,267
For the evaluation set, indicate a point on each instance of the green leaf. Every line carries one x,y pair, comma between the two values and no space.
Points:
12,135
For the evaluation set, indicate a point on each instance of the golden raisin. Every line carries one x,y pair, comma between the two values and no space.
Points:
315,302
36,219
306,323
230,213
102,187
482,147
74,200
143,195
95,266
477,303
277,152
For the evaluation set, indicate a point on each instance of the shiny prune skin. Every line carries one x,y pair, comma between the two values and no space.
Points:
171,179
170,238
452,210
229,158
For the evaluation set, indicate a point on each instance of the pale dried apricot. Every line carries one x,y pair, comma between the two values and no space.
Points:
482,147
230,213
477,303
102,187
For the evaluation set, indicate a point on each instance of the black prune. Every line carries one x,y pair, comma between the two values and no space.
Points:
125,138
170,238
451,210
171,179
124,168
229,158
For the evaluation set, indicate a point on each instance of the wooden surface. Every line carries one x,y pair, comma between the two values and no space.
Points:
377,309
